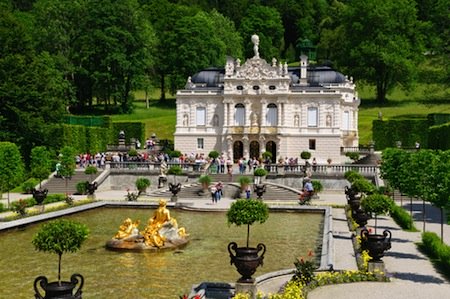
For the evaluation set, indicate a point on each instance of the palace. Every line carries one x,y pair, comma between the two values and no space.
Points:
247,109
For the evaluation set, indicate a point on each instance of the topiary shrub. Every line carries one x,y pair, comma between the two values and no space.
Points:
82,187
142,184
377,204
205,180
305,155
363,185
132,153
175,170
247,211
28,186
60,236
244,181
317,185
260,172
213,154
352,175
90,170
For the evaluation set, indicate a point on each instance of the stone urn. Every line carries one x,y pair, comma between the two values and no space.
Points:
376,244
354,203
91,187
174,188
56,290
246,260
360,217
39,195
259,189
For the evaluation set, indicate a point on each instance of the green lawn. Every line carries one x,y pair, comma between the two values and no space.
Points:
421,101
159,118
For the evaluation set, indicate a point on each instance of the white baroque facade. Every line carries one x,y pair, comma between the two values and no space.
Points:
245,110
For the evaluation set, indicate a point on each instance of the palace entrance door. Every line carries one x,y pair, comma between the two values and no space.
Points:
238,150
254,149
271,147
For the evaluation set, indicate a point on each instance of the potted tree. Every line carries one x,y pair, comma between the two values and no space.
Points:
142,184
205,181
258,187
376,244
91,186
174,187
40,165
246,258
58,237
244,182
214,166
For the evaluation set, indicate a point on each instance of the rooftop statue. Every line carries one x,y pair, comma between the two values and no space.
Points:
161,232
255,41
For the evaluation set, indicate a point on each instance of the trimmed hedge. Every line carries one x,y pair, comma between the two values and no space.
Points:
402,218
439,137
88,121
408,131
131,129
86,139
434,248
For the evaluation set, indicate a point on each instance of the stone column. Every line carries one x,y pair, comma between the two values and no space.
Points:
246,143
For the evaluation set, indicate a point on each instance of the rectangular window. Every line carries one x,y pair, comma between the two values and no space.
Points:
272,116
312,117
346,121
200,143
200,116
312,144
239,116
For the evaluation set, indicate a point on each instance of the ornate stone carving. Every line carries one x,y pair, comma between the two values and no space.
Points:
256,68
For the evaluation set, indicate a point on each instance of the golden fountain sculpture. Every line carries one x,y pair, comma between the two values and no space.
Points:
161,232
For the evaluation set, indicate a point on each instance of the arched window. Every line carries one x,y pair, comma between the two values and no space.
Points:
272,115
239,115
200,116
312,117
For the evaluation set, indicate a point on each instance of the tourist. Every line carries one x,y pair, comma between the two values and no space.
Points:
219,193
308,190
213,194
248,191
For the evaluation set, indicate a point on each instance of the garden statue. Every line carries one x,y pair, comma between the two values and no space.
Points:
255,41
161,232
162,179
128,229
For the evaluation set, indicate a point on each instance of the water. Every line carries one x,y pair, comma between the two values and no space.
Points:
136,275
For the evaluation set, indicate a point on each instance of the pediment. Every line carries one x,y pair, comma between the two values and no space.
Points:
257,68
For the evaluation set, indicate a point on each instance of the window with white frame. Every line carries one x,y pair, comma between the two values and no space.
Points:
200,116
272,115
346,121
239,115
200,143
313,117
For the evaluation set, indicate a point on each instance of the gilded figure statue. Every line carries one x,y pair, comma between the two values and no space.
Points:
127,229
161,227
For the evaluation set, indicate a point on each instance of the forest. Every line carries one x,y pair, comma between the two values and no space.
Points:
79,56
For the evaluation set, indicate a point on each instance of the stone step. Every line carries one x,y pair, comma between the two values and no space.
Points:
192,191
58,185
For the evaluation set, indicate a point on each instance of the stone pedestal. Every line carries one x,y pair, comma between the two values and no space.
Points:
376,267
246,288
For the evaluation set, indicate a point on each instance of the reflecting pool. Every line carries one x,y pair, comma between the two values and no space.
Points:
168,274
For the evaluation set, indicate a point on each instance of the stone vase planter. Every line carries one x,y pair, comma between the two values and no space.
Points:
376,244
39,195
246,260
56,290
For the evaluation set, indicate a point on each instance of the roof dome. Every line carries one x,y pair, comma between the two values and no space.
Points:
211,77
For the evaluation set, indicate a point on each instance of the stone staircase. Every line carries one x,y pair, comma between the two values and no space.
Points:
58,185
273,192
